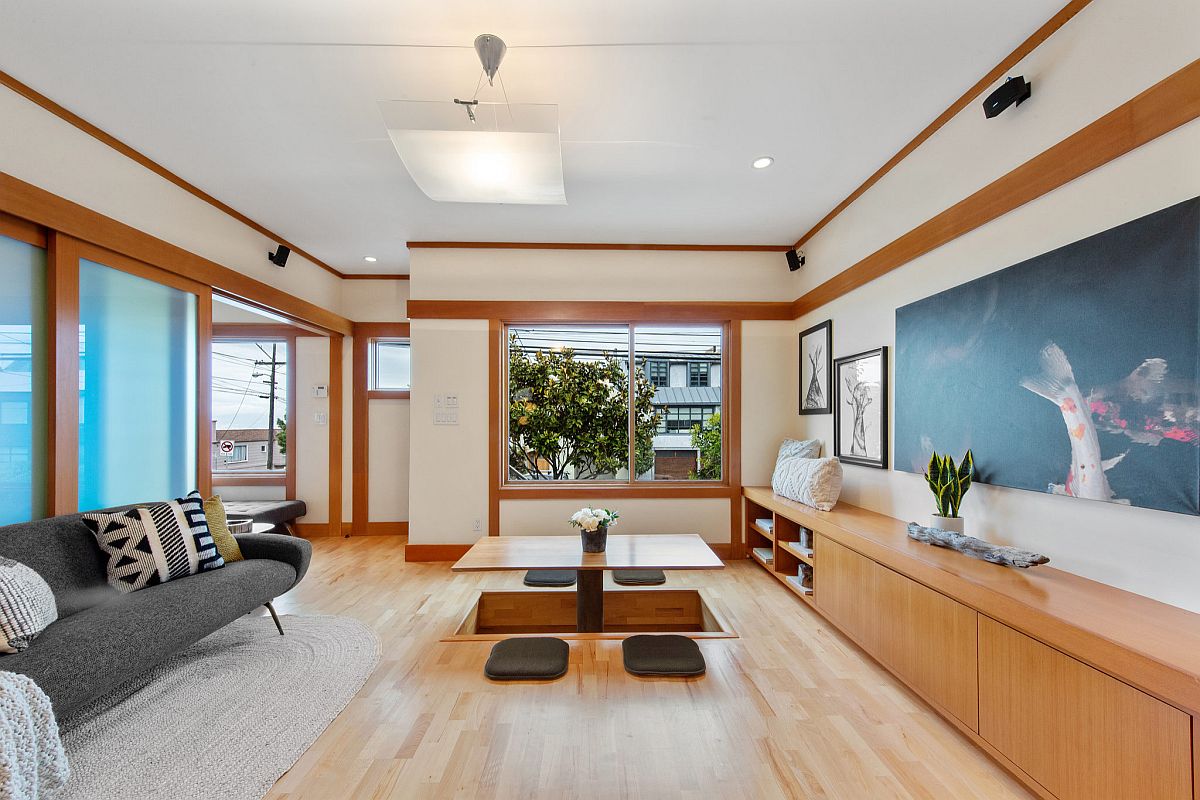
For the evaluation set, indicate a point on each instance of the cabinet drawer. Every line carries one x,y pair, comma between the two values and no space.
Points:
1079,732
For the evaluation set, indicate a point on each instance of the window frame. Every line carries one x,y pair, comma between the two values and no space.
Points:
374,393
726,486
699,369
259,333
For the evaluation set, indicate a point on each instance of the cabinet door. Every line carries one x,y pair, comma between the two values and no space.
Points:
1079,732
930,641
844,590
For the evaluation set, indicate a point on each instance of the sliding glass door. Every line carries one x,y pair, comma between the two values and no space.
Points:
137,388
23,398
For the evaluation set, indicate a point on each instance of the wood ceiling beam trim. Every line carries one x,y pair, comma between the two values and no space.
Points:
36,97
698,248
1168,104
35,204
1025,48
596,310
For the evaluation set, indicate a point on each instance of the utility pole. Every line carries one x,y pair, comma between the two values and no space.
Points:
274,364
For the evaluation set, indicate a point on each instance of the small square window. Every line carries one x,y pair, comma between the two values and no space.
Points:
697,373
391,361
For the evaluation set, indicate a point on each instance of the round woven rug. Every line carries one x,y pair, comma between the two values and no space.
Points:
223,719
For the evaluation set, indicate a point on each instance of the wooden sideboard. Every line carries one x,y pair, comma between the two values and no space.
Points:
1080,690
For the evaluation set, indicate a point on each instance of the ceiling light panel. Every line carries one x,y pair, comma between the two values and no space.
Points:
509,154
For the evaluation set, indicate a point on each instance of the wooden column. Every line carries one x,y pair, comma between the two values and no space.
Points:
589,601
335,434
204,325
62,349
360,437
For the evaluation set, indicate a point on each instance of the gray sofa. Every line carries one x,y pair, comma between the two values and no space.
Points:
103,638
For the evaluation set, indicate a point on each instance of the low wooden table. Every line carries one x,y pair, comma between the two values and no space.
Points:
649,551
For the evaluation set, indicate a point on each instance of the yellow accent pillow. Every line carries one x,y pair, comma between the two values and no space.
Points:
218,527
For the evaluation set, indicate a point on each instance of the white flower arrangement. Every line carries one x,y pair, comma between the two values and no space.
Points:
590,519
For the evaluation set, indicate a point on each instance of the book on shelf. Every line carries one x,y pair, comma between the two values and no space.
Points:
799,547
798,582
767,524
765,554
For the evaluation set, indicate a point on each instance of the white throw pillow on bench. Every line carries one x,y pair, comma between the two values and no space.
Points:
801,476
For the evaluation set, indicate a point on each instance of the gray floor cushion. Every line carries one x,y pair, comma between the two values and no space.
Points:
639,577
662,654
551,577
530,659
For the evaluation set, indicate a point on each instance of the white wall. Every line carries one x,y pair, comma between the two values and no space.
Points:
41,149
1077,75
449,480
375,301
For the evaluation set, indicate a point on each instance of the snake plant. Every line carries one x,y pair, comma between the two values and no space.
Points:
949,482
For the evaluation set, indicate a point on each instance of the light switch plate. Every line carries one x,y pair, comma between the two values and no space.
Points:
321,418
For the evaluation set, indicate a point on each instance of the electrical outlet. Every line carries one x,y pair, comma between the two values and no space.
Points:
478,526
321,418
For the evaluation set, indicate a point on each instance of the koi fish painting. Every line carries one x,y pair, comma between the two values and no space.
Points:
1076,372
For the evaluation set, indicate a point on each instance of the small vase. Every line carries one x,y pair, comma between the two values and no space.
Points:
594,541
952,524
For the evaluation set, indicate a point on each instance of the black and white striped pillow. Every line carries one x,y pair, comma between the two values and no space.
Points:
27,605
156,543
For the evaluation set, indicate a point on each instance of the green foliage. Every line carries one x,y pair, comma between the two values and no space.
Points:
707,439
568,419
281,435
949,482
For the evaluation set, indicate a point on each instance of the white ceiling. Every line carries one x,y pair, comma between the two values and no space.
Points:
270,105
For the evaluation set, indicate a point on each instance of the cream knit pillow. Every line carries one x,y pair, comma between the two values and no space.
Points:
815,482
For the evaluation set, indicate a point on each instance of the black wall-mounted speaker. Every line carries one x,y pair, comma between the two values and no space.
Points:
795,260
280,256
1014,90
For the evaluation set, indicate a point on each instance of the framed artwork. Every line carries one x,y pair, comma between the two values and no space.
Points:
1075,372
816,366
860,397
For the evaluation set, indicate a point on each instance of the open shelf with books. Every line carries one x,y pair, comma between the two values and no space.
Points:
783,547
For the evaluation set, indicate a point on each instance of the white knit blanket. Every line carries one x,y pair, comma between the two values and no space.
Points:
33,765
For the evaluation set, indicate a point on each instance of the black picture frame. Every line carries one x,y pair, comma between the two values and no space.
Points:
825,331
874,413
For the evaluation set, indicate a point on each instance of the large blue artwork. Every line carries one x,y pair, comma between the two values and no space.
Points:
1076,372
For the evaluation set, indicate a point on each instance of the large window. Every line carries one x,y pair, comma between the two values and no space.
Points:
249,406
22,381
572,404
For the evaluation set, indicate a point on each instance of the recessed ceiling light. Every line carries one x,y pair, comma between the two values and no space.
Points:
370,259
762,162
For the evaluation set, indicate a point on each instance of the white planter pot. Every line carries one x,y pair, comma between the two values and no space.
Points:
953,524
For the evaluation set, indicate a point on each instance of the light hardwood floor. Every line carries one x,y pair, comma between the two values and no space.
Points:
791,709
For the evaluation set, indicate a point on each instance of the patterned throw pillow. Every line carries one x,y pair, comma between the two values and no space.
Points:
816,482
796,448
156,543
27,605
218,526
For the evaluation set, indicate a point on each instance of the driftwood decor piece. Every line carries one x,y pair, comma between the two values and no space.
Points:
976,548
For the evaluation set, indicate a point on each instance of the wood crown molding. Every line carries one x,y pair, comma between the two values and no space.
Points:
44,208
1166,105
694,248
36,97
596,311
1025,48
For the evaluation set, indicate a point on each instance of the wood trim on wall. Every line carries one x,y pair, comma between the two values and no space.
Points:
360,432
79,122
731,418
312,530
700,248
32,203
1170,103
496,445
1025,48
596,310
375,276
335,434
22,230
249,479
435,552
259,330
62,374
